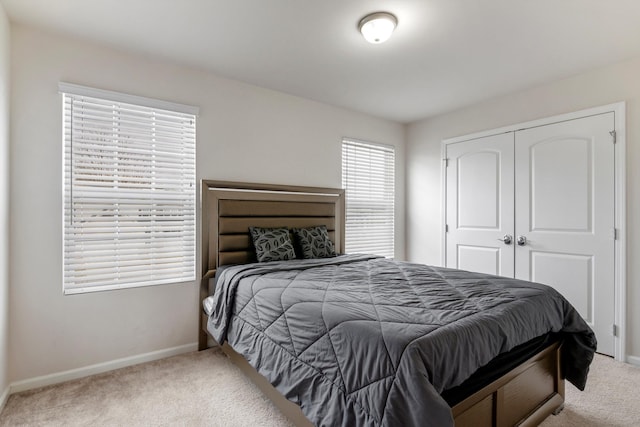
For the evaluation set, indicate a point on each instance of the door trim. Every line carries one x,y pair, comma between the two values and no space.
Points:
620,253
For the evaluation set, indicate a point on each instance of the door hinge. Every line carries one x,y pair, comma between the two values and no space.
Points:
613,135
446,228
614,233
614,330
446,162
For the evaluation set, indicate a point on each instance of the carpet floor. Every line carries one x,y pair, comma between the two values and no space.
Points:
206,389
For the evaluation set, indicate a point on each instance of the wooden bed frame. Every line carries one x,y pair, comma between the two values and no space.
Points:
524,396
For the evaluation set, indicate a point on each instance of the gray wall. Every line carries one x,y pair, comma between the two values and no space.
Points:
4,200
239,127
603,86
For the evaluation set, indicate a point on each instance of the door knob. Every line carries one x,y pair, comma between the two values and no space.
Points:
521,240
506,239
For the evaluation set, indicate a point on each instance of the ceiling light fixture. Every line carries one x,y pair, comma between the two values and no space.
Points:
377,27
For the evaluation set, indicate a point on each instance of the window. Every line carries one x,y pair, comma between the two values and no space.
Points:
368,177
129,190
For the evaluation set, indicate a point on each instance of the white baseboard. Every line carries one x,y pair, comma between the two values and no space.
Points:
99,368
634,360
4,397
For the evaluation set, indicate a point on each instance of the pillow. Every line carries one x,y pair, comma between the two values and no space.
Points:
314,242
272,244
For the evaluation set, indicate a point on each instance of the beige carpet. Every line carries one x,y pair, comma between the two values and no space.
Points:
195,389
206,389
609,399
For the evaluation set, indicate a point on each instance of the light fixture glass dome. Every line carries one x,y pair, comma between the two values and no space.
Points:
377,27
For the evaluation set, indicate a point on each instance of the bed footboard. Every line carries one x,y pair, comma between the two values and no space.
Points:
524,396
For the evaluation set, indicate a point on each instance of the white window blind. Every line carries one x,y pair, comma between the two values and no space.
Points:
129,191
368,177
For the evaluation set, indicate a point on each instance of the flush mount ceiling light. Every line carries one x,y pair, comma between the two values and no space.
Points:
377,27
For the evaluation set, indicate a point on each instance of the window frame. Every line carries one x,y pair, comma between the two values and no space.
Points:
137,199
382,160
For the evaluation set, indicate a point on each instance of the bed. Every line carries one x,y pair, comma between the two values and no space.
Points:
413,384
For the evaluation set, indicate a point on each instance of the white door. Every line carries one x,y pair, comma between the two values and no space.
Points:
480,205
558,205
565,211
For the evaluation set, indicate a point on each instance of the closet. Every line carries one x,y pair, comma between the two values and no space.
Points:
538,203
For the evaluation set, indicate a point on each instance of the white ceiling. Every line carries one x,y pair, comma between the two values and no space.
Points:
445,54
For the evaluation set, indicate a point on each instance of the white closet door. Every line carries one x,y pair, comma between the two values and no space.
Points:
480,205
565,211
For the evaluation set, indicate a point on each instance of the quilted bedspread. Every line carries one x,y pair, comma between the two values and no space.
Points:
365,341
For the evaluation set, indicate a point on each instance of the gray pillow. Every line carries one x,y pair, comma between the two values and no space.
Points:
314,242
272,244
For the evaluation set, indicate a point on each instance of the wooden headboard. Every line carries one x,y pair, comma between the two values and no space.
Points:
230,208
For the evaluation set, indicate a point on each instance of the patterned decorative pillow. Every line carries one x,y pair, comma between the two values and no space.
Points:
314,242
272,244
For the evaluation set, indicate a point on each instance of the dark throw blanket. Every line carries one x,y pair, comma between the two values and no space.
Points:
364,341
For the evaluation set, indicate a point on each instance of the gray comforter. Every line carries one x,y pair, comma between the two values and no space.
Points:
358,340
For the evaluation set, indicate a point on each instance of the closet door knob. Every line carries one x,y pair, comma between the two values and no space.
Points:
521,240
506,239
